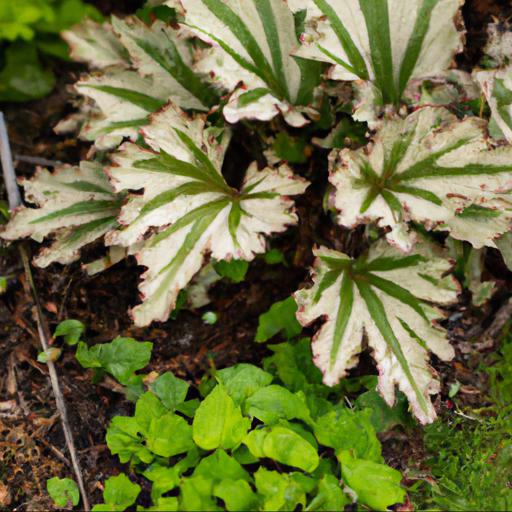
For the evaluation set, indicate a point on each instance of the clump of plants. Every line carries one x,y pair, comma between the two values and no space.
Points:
246,438
30,42
414,177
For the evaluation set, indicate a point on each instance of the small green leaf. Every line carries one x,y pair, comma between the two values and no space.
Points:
329,496
243,455
242,380
234,270
189,407
279,491
383,417
346,430
124,439
272,403
292,364
454,389
236,495
376,485
164,479
148,407
119,494
121,358
169,435
274,257
162,505
218,422
291,149
279,318
220,466
23,77
63,491
285,446
196,494
171,390
71,330
254,441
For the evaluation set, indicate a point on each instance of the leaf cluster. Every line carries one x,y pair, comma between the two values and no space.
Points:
247,439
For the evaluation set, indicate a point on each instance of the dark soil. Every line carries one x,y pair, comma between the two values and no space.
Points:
31,440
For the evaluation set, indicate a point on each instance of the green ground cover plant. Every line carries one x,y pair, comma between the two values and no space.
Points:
247,438
30,41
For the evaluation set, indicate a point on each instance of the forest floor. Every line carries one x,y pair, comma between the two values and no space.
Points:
32,446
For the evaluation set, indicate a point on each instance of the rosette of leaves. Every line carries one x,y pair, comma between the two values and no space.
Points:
388,298
187,210
75,205
141,67
385,42
251,58
429,168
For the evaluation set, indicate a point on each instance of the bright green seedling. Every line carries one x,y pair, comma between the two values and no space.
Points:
120,358
71,330
119,494
63,491
51,354
279,318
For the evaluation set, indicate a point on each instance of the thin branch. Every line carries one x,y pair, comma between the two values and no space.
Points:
42,328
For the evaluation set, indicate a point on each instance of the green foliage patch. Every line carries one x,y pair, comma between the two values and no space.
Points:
247,439
29,40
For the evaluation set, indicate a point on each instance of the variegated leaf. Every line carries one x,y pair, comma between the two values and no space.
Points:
123,100
164,54
497,88
96,45
187,211
252,42
162,60
385,296
387,42
429,168
75,204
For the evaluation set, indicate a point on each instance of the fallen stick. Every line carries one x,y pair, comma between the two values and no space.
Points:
14,199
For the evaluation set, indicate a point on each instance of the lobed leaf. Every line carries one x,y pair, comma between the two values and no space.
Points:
251,43
142,67
74,204
387,42
429,168
96,45
194,210
384,295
